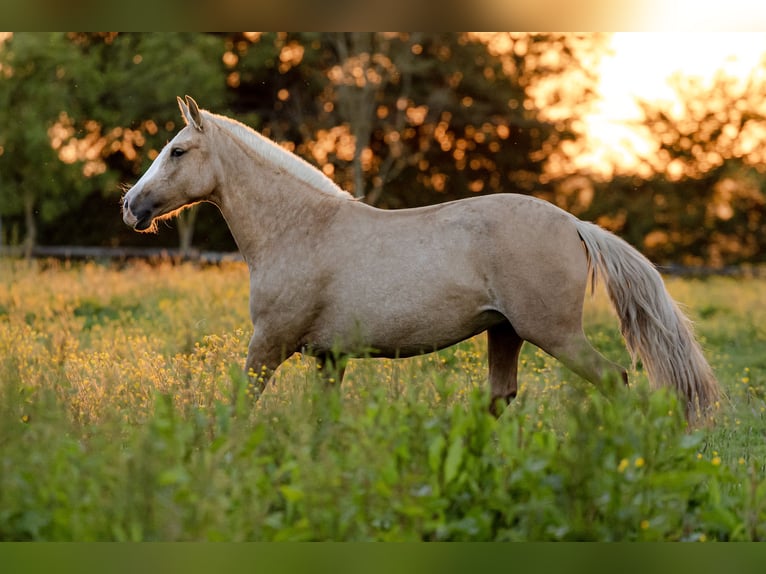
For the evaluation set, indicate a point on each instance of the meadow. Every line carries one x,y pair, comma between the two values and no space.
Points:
122,417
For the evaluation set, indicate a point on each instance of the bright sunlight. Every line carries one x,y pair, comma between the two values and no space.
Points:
641,66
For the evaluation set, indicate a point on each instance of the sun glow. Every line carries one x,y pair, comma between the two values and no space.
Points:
641,66
705,15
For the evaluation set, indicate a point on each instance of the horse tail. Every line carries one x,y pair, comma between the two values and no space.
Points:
653,326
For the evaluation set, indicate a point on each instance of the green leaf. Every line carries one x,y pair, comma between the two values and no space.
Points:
435,451
177,475
291,493
453,460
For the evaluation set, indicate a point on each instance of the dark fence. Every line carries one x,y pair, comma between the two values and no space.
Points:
125,254
744,270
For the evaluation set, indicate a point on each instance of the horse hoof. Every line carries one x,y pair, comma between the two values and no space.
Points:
496,408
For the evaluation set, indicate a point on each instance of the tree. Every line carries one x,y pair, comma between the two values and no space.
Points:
83,111
448,115
370,64
709,182
133,116
41,84
463,113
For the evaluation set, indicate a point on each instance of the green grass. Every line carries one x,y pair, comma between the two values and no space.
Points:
117,423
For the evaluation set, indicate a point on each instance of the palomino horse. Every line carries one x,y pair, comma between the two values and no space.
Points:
329,274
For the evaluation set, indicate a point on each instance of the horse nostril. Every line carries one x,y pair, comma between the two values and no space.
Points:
142,219
132,205
138,206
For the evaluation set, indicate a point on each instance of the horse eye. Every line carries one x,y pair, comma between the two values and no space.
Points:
177,152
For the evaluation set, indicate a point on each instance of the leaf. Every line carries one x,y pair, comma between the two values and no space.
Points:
172,476
453,460
435,451
291,493
691,441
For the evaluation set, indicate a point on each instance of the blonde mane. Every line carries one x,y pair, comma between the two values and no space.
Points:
279,156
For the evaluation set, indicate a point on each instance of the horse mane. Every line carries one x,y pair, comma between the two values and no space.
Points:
279,156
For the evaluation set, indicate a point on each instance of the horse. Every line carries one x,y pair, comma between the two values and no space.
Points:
334,277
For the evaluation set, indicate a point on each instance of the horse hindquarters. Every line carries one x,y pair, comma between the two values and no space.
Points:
540,290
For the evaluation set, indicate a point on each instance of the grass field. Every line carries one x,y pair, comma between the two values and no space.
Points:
117,423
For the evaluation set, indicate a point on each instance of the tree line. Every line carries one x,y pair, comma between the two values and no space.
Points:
398,119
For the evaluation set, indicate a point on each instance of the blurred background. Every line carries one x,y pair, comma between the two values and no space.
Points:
655,136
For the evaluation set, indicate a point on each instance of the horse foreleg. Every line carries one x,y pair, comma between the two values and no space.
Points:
262,360
504,346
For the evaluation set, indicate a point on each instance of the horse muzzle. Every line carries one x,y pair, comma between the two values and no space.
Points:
127,216
140,219
144,222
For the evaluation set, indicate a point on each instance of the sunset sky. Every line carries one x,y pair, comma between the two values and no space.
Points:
641,65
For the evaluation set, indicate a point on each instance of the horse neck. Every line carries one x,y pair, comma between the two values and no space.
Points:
267,207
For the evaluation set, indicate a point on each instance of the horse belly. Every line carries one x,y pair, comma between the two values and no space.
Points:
403,321
417,339
410,282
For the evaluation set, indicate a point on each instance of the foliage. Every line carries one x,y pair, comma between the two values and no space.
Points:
449,114
135,113
41,75
117,423
699,195
86,111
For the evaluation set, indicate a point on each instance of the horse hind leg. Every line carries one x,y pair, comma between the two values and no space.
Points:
504,345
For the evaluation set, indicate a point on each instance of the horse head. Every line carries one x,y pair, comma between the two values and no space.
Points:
181,175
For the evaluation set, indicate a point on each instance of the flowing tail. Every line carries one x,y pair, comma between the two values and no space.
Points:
653,326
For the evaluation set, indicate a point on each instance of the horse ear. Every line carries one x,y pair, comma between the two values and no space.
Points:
184,109
193,113
190,112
